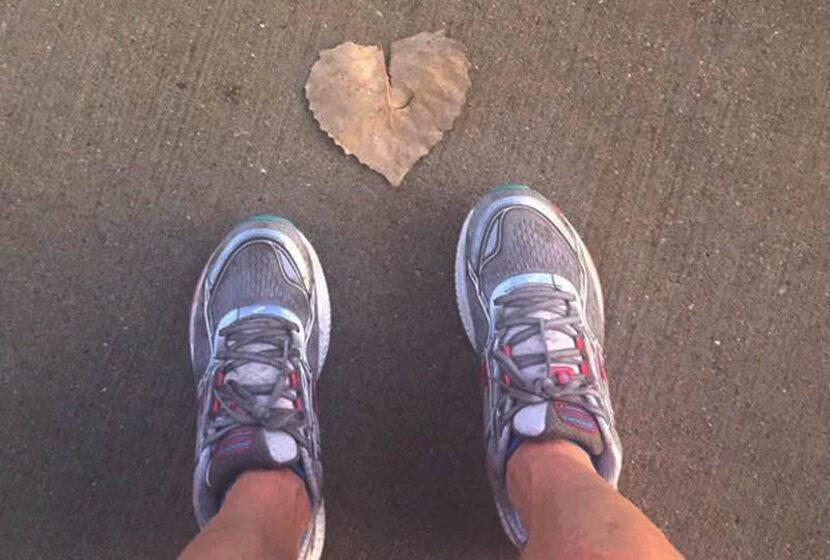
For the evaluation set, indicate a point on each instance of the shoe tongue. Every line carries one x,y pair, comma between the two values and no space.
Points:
560,419
554,419
251,447
545,341
255,373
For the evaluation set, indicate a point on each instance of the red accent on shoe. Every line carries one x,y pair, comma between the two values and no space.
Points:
576,416
509,353
584,367
294,379
218,381
563,374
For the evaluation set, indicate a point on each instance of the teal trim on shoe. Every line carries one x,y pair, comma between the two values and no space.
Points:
267,218
509,186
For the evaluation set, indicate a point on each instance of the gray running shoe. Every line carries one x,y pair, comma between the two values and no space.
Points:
531,304
259,333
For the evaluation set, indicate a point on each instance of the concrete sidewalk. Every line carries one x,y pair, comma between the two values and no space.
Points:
688,142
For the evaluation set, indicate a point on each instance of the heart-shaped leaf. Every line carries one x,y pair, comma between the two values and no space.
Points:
389,121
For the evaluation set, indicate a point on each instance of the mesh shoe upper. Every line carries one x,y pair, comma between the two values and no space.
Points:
263,272
260,272
520,241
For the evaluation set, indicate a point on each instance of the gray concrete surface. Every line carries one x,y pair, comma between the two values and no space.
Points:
688,141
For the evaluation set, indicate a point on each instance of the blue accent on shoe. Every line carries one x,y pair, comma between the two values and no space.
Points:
298,469
513,445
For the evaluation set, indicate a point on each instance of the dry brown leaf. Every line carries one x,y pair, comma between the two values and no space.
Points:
389,121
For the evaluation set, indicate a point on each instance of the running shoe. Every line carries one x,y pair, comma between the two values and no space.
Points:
259,333
531,304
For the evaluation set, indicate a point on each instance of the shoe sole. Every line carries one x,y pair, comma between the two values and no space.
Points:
323,312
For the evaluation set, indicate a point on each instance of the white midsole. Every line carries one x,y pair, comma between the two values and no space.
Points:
462,300
323,302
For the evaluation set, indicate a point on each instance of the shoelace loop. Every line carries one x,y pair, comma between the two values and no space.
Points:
242,404
521,310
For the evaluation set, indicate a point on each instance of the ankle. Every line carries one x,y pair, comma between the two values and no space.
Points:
272,498
264,516
538,466
266,486
532,456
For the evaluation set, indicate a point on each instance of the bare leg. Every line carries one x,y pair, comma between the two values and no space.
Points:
571,512
263,517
